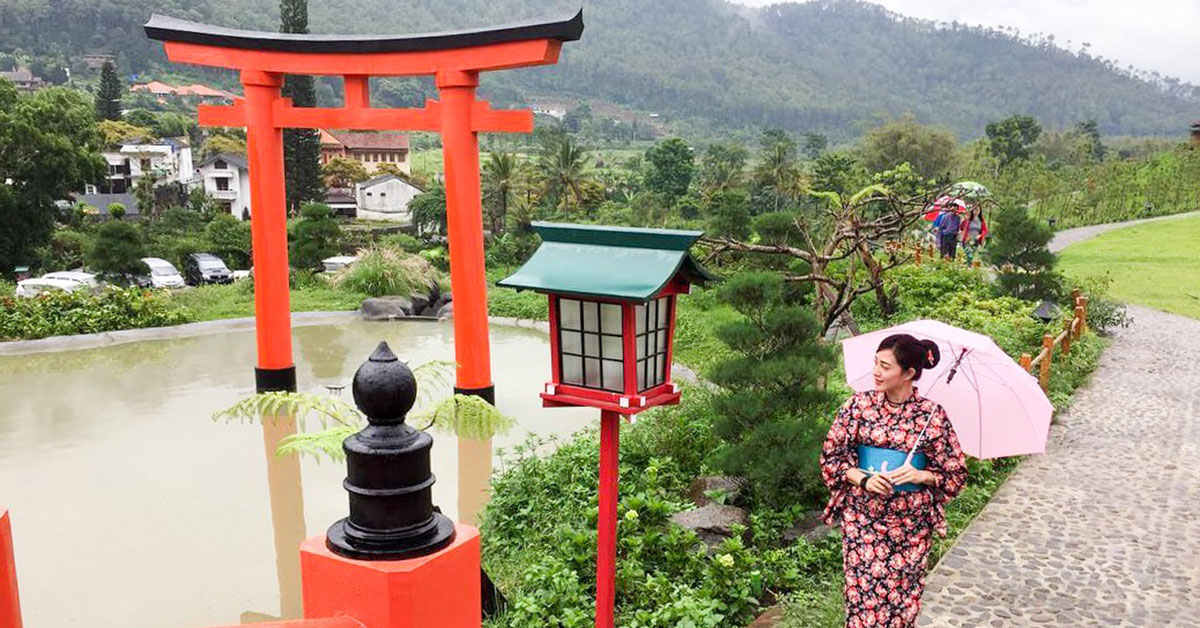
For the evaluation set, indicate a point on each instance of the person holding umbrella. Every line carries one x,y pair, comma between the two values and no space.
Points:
973,232
892,461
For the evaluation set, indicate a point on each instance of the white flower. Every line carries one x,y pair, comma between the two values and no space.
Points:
725,560
631,515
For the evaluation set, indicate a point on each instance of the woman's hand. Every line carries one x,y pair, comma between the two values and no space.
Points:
879,485
908,474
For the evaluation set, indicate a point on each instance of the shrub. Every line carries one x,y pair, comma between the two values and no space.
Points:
402,241
64,313
229,238
1104,314
118,250
540,543
68,248
768,412
379,272
1019,250
316,236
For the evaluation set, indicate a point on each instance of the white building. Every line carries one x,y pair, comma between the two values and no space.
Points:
226,178
169,160
386,197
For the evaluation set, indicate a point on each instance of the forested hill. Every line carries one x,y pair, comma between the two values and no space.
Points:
830,67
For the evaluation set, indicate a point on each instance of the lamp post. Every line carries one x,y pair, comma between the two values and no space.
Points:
612,298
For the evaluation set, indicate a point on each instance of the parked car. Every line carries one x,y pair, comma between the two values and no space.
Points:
34,287
87,279
202,268
338,262
163,273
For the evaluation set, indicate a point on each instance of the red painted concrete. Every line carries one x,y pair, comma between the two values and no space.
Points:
441,590
10,601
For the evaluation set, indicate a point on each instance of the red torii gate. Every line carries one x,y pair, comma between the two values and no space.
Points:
455,59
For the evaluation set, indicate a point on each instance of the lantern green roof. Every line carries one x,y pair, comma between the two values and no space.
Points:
597,261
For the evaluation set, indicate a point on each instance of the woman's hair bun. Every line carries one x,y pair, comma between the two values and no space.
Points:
932,354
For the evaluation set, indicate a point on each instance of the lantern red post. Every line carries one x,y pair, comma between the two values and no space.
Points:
591,274
606,525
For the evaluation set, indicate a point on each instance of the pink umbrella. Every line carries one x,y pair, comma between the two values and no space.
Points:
997,409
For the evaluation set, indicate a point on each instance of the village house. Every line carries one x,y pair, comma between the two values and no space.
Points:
168,160
386,197
371,148
96,60
204,93
23,78
226,178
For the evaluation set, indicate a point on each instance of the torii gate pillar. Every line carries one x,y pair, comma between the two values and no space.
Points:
464,229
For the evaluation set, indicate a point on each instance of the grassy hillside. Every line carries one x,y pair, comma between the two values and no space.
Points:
829,67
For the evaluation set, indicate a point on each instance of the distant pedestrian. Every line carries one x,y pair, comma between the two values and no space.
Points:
973,232
947,227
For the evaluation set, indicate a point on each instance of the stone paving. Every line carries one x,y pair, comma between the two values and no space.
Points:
1104,528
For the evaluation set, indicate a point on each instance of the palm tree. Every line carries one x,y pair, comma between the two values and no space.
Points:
563,170
499,179
778,170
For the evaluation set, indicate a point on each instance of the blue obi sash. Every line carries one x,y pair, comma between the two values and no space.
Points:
871,459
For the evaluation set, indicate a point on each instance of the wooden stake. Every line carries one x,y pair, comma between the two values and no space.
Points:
1047,357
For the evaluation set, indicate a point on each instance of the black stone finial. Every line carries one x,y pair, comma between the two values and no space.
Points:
384,387
391,504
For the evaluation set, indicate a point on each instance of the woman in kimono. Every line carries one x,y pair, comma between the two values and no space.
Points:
888,517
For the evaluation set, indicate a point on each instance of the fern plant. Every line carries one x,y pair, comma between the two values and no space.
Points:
464,416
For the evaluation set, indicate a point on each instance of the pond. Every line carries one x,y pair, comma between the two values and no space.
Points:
132,508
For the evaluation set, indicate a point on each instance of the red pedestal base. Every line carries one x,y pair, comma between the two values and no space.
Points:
441,590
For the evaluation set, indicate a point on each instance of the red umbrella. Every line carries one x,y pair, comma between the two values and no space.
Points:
942,204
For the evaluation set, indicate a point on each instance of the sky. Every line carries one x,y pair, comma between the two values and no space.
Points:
1157,35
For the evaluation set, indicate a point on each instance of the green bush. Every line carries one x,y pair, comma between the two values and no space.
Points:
118,250
316,236
508,302
380,272
62,313
69,248
540,541
402,241
772,408
229,239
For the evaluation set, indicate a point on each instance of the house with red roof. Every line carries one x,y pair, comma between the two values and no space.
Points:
371,148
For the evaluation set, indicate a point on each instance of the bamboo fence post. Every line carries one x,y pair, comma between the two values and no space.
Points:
917,256
1083,320
1027,362
1047,357
1077,324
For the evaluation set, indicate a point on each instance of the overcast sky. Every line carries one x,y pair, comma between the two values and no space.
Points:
1158,35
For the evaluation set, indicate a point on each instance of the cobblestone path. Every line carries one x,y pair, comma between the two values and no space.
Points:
1104,528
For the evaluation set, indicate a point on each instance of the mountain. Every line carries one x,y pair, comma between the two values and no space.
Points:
834,67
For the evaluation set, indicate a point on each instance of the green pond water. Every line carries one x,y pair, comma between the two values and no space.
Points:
132,508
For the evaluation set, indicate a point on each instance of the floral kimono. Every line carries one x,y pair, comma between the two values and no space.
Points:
886,539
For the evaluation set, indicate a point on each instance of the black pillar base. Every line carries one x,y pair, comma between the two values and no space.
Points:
488,393
346,539
275,380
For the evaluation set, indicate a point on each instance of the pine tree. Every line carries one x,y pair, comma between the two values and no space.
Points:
108,98
1018,247
771,411
301,147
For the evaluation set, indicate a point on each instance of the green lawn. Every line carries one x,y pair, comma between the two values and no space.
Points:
237,301
1156,265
